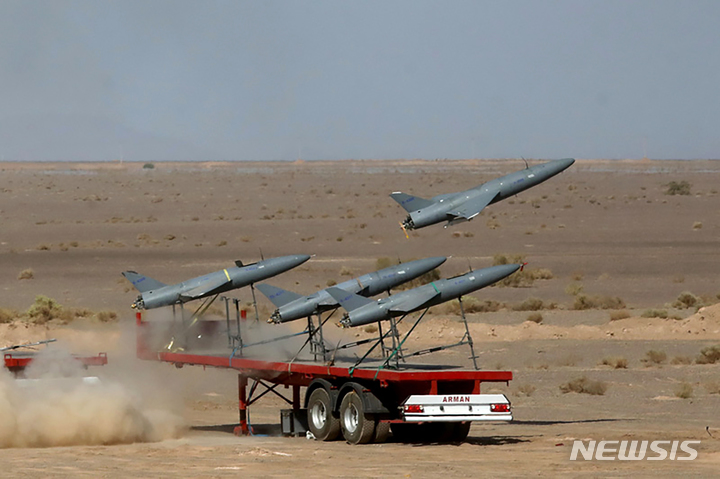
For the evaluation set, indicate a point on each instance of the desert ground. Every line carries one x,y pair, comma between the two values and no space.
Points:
621,290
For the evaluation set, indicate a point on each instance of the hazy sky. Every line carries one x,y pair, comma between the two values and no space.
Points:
278,80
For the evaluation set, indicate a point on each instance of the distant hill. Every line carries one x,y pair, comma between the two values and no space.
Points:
81,138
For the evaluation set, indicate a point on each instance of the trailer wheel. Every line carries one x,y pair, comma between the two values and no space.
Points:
357,427
405,432
382,431
321,422
461,431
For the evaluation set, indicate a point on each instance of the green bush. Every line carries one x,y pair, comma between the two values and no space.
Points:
687,300
43,310
678,188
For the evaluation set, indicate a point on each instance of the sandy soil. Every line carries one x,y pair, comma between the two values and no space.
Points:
606,226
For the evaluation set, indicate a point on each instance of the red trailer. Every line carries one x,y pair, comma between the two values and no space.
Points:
361,403
17,362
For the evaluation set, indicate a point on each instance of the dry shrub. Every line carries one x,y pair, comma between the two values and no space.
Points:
577,276
8,315
26,274
709,355
535,318
383,262
345,271
530,304
42,247
684,391
712,387
584,385
677,360
541,273
573,289
169,237
583,302
697,225
569,360
331,282
471,305
687,300
618,315
526,390
370,329
615,362
106,316
655,357
654,313
222,243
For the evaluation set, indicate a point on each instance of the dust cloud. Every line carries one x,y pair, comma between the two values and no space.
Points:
56,406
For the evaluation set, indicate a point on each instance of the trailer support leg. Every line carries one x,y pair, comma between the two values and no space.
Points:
257,315
320,339
383,348
242,428
227,320
468,337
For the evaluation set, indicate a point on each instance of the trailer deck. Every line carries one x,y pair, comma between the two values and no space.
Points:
17,362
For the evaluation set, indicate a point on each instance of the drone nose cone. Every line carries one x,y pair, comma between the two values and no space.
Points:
496,273
432,263
301,258
508,269
565,163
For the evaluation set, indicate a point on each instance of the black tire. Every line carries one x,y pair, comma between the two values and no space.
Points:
440,432
447,432
382,431
321,421
406,432
357,427
462,429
